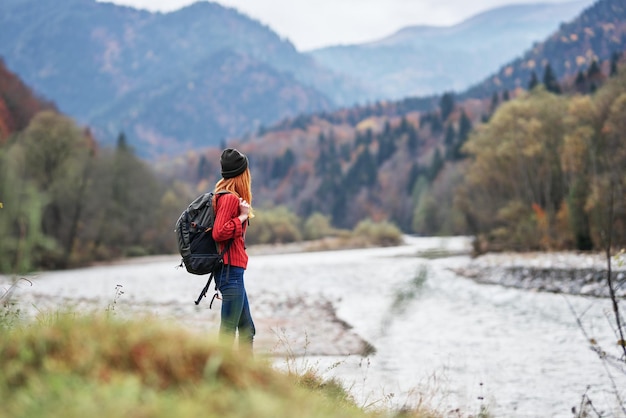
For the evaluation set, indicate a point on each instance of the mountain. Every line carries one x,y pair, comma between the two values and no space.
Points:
200,75
596,35
578,49
171,81
422,60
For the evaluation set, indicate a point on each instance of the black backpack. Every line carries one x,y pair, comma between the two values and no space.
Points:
199,251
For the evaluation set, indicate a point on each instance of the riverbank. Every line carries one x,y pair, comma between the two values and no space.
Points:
556,272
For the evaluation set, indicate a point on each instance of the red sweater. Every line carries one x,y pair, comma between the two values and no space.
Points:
227,225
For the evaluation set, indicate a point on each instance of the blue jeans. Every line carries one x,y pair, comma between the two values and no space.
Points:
235,308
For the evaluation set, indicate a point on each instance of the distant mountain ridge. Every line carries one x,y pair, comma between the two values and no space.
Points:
595,35
206,73
118,68
422,60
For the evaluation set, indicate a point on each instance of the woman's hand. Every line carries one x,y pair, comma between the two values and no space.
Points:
244,210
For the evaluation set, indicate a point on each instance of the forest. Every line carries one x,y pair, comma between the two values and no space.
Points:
66,202
548,172
542,169
431,172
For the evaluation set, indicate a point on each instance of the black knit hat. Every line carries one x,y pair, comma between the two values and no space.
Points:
233,163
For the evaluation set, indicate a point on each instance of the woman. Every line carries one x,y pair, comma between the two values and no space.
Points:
231,221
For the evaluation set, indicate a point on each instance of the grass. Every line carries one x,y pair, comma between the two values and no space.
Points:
74,365
71,365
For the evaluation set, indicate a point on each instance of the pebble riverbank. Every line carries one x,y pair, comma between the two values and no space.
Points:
559,272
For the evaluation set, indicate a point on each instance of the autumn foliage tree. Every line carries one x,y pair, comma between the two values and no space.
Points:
66,202
545,170
18,104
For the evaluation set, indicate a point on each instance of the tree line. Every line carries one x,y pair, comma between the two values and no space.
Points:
67,202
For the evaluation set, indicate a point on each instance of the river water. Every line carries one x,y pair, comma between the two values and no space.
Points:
440,340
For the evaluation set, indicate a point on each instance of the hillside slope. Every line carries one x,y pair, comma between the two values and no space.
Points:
118,68
424,60
598,33
18,103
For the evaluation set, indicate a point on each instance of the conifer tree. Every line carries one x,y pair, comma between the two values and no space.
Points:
436,123
580,82
550,81
404,125
449,141
534,81
413,140
435,166
594,70
614,63
446,105
495,101
413,176
386,146
321,163
465,126
282,164
203,168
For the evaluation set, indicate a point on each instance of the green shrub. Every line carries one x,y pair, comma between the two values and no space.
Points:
382,233
274,225
318,226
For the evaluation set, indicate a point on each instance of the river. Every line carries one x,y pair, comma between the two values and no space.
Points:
439,339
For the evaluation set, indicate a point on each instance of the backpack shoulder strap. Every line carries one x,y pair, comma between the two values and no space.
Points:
226,247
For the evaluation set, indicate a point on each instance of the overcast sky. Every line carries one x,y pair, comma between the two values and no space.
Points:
311,24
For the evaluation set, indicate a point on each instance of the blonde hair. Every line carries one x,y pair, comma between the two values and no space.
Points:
240,186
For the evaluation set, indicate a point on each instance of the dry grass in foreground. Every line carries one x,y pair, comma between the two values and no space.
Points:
71,365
